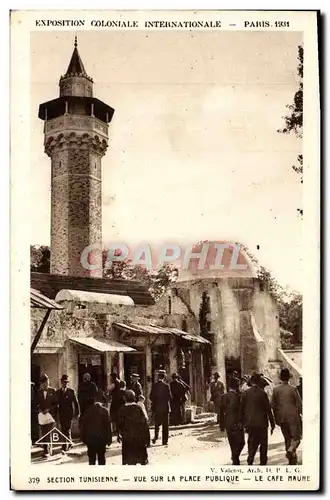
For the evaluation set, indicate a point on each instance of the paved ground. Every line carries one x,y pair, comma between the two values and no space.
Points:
185,446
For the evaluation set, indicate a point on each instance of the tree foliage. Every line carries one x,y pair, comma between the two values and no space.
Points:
156,281
294,119
40,258
290,304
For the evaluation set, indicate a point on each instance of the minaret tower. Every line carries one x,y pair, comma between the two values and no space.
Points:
76,138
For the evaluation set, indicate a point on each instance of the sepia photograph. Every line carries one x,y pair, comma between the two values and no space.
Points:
167,220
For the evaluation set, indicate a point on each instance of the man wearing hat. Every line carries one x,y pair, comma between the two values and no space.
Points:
256,416
231,402
135,386
287,407
160,405
178,391
87,390
46,404
217,390
68,408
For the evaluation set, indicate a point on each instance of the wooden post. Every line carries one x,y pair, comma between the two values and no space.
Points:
66,107
92,109
108,367
121,370
173,362
148,382
191,376
39,332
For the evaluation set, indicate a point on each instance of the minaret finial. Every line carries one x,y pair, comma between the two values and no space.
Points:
75,42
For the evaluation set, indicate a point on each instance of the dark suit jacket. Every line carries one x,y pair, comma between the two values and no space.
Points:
49,403
255,409
231,404
178,391
68,406
286,404
95,426
217,389
160,397
86,390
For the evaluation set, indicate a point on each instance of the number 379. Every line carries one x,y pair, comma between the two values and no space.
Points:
34,480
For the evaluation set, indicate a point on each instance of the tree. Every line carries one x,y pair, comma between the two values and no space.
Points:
156,281
290,305
294,119
40,258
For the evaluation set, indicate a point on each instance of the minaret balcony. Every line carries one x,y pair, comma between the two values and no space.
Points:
76,123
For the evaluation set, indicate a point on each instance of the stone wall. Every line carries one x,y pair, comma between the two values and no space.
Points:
266,316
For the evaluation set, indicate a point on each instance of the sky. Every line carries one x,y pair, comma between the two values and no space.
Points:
194,152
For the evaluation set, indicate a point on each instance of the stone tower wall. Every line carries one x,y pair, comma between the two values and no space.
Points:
76,198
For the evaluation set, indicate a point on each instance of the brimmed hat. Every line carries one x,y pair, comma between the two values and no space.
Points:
163,372
44,378
216,374
135,375
64,378
285,374
255,379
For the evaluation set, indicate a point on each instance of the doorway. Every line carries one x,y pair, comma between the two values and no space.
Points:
134,363
94,365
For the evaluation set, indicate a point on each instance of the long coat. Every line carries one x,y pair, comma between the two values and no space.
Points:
160,397
231,404
86,391
287,405
134,431
117,401
255,409
95,426
68,406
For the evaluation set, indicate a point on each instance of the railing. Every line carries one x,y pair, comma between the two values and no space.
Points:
76,122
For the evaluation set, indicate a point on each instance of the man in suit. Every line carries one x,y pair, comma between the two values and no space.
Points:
135,386
231,403
160,405
256,415
46,403
86,391
96,431
217,390
287,407
68,408
178,391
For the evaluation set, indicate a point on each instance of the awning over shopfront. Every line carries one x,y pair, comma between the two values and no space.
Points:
159,330
90,297
101,344
40,301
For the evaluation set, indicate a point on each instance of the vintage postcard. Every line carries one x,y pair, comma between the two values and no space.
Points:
165,172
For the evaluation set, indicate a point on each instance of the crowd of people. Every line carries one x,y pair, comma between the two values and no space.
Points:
126,418
253,406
